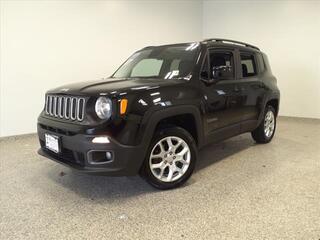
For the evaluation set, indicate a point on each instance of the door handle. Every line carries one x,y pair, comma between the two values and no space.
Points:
236,89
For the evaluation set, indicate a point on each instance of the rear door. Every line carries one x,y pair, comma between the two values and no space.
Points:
250,89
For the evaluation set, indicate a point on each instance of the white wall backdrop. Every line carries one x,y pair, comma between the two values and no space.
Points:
49,43
288,32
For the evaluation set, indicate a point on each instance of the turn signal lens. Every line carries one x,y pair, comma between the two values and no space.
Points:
123,106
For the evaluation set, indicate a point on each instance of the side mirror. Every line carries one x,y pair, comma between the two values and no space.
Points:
218,73
221,72
209,81
216,76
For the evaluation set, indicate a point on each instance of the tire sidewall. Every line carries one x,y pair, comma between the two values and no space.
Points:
172,131
269,108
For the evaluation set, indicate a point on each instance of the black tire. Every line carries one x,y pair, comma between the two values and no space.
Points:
259,134
146,171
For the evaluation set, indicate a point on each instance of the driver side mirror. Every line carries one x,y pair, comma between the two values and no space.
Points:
216,75
221,72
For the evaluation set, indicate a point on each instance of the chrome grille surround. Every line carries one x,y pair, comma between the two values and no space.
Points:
65,107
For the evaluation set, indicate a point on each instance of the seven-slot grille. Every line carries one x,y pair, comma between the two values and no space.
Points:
65,107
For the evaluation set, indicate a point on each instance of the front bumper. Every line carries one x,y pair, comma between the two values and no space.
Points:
75,149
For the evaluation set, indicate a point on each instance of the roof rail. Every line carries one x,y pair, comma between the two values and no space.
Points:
231,41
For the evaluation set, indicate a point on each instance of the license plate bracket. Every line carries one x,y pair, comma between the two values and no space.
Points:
52,143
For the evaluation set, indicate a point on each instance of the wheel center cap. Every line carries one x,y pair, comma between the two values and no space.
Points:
169,159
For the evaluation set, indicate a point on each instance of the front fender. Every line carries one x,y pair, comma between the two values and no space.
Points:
151,120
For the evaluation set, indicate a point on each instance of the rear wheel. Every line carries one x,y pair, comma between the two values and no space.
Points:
265,131
170,159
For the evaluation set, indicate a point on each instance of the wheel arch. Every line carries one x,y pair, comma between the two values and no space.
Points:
187,117
272,99
275,104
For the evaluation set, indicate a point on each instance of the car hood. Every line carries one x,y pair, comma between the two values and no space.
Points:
113,86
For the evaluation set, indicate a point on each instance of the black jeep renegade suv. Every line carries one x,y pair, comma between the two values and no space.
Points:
162,105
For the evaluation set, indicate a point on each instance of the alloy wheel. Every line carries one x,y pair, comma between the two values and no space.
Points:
269,124
170,159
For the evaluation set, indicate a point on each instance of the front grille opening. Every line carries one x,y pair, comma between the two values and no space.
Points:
47,105
57,130
56,106
51,106
61,108
73,108
65,107
80,109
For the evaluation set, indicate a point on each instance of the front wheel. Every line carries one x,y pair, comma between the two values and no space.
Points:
170,159
265,131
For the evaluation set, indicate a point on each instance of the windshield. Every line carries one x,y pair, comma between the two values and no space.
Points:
166,62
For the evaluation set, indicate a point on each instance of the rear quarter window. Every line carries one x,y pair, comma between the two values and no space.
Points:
248,65
261,63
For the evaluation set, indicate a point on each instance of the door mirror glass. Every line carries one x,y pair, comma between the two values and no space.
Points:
221,72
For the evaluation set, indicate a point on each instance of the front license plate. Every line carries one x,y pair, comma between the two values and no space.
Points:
52,143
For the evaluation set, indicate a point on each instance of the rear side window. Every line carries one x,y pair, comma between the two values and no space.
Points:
248,65
261,64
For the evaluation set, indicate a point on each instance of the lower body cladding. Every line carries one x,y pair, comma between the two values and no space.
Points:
102,156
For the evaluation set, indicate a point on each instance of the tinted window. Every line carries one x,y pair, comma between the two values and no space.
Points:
248,65
166,62
147,67
261,63
221,65
204,71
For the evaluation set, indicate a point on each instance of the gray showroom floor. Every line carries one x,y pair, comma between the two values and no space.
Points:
240,190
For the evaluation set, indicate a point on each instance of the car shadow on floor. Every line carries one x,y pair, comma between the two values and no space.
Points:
99,187
214,153
121,188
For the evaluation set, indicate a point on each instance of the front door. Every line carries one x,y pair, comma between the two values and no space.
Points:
222,98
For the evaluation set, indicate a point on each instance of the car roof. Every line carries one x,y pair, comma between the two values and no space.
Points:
187,44
217,42
214,42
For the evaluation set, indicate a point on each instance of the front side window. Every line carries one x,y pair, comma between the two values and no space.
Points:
165,62
204,74
221,65
248,65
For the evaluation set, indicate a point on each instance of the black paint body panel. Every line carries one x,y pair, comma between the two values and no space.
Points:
219,110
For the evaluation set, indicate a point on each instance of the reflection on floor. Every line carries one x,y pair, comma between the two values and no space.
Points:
240,190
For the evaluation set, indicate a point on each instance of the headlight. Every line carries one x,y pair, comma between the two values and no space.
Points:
103,108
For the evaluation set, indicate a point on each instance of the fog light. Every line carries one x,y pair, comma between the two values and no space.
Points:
103,139
109,156
100,157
